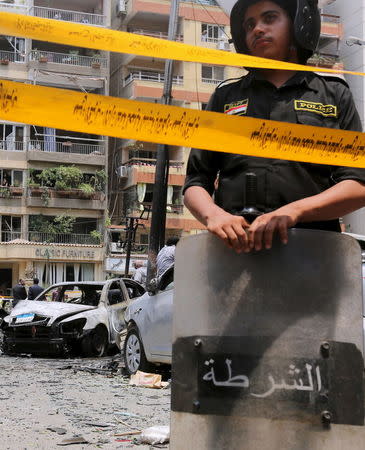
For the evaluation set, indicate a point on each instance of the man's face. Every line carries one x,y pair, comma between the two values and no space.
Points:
268,30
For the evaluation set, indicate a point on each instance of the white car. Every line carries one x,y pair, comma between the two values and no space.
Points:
84,317
148,341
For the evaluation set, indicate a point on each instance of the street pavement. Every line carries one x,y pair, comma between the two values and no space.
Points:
46,402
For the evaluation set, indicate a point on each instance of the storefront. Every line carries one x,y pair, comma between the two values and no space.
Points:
50,263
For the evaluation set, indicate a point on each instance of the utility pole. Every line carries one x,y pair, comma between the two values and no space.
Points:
158,221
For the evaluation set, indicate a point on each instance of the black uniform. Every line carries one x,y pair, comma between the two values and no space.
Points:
306,98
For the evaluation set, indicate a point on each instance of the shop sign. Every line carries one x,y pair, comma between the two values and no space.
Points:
58,253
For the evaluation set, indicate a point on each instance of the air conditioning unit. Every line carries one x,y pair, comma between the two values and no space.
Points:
223,45
115,248
121,7
122,172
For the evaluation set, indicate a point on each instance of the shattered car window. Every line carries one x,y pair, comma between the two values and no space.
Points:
81,295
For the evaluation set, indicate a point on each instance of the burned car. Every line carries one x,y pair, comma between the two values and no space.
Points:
72,317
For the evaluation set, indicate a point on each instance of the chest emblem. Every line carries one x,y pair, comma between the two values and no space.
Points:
317,108
237,108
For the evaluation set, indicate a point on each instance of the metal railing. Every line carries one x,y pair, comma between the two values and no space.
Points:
66,147
68,58
211,81
330,18
69,16
155,77
170,208
6,56
8,236
13,7
202,2
62,238
16,146
209,39
323,60
157,34
136,161
121,247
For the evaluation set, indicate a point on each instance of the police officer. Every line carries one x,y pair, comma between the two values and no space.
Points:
288,193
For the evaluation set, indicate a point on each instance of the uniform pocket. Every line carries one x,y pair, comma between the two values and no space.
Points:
316,120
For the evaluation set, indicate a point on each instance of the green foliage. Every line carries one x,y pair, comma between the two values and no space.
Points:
98,181
70,175
64,223
5,192
61,177
60,185
61,224
45,196
96,235
108,221
86,188
47,177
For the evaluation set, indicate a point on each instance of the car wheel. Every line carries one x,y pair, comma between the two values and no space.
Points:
95,343
134,355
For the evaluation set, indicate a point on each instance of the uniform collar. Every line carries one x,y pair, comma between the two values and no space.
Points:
299,78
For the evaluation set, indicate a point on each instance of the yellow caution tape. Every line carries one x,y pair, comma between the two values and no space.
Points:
82,35
97,114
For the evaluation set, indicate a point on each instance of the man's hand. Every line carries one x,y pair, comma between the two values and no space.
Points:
231,229
262,229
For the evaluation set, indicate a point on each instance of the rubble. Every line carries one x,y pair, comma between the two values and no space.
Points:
88,398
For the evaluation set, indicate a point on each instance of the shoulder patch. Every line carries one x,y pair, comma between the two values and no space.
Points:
317,108
238,108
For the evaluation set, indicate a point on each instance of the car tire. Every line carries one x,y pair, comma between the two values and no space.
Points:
95,343
134,355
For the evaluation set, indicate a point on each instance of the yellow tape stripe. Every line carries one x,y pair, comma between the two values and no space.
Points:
96,114
81,35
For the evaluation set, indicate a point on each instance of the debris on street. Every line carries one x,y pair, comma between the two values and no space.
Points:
46,403
148,380
155,435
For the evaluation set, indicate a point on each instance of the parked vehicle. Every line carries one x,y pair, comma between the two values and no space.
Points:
84,317
148,340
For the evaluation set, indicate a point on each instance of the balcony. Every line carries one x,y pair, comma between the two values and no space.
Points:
156,34
121,247
202,2
331,27
75,152
151,162
69,16
69,59
13,8
8,236
11,197
58,238
325,60
49,238
40,197
170,208
7,57
211,81
13,146
154,77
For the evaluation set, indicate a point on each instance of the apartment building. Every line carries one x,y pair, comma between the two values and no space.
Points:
352,52
52,181
201,23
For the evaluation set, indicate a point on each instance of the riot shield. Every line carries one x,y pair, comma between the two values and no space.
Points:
267,346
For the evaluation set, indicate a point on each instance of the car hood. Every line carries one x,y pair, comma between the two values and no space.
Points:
48,309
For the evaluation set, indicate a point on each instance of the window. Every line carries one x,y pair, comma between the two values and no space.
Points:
10,177
10,228
212,74
11,137
212,33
